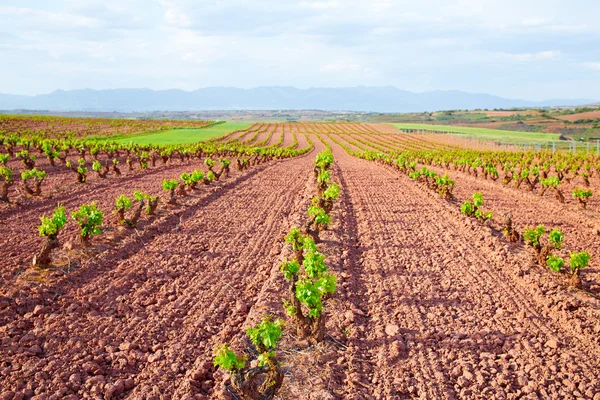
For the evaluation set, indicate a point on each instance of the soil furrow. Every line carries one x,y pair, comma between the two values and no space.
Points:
450,325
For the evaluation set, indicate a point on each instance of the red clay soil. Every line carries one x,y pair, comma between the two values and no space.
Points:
141,319
576,117
430,304
288,137
581,227
440,308
19,228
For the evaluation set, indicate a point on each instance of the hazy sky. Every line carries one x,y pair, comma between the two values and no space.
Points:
533,49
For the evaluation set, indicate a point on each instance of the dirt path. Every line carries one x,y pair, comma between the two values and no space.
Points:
435,315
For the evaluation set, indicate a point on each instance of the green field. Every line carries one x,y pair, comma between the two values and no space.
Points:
487,134
184,135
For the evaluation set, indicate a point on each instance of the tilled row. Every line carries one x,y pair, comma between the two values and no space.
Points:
442,313
141,315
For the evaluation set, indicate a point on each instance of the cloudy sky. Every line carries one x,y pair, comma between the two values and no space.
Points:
532,49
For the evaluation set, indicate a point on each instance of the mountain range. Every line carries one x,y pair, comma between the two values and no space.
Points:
371,99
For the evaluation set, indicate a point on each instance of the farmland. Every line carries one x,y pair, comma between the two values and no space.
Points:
183,135
484,133
408,264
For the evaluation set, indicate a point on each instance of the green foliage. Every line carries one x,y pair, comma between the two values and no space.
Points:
197,175
4,158
51,226
579,260
6,174
81,166
123,202
582,194
477,199
414,175
555,237
210,176
295,238
139,196
290,310
186,178
193,178
555,263
227,359
320,216
290,269
324,160
483,215
532,236
266,358
169,184
209,162
324,177
266,334
308,294
471,208
311,292
89,218
332,192
491,170
445,184
552,181
96,166
33,173
467,208
314,262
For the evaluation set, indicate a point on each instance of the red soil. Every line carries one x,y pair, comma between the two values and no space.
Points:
430,304
576,117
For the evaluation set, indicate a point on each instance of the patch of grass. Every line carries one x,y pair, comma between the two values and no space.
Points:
487,134
183,135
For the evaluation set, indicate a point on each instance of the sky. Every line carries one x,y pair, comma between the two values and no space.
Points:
526,49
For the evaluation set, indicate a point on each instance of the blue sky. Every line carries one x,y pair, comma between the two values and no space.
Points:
528,49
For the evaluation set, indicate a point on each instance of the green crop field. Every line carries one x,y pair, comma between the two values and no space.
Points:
487,134
183,136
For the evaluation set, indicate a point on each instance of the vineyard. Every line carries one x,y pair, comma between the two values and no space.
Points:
293,260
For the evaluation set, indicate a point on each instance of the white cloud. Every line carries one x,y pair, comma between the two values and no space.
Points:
524,57
337,67
176,17
430,44
592,65
320,5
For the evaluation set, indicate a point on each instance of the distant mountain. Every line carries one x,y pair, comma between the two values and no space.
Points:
375,99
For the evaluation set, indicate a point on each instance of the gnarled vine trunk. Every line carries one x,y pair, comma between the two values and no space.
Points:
42,258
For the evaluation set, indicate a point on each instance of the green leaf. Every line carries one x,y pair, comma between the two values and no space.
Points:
477,199
579,260
169,184
266,358
228,360
290,269
89,218
556,238
555,263
266,334
123,202
51,226
532,236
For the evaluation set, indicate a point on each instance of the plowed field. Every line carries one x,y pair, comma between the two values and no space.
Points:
430,304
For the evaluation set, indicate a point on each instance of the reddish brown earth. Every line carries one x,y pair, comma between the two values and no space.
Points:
430,304
576,117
